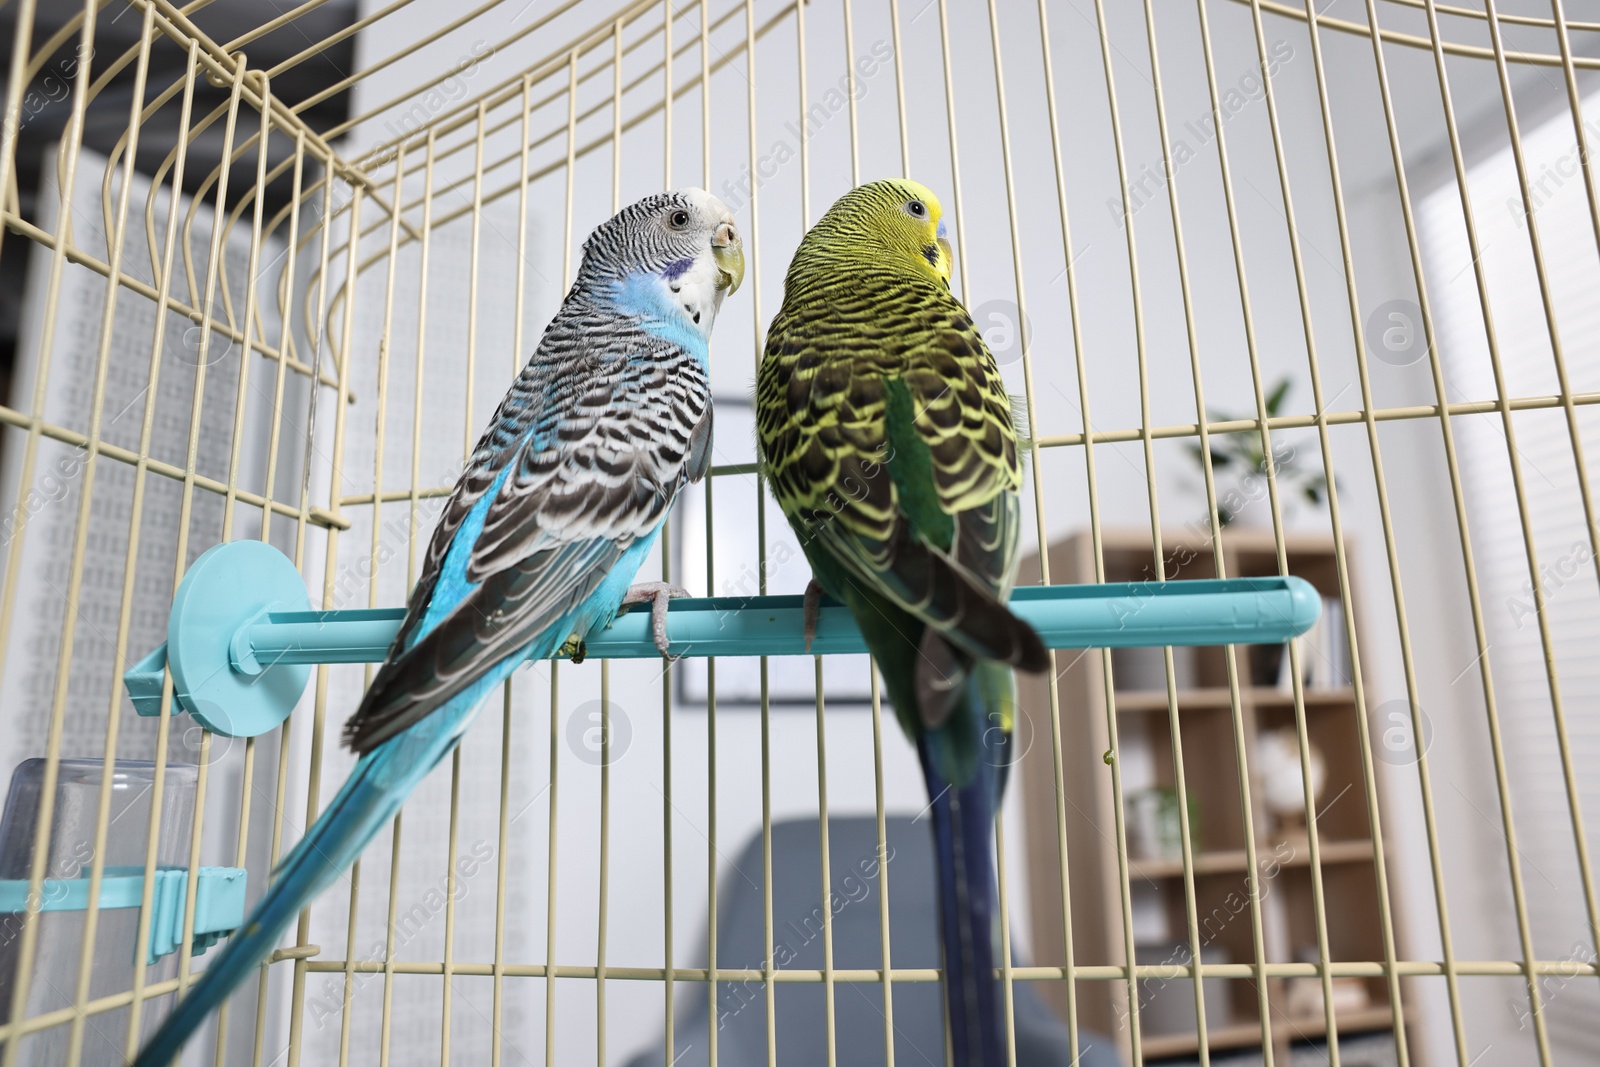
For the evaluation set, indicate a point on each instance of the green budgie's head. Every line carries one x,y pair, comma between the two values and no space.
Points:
895,224
681,246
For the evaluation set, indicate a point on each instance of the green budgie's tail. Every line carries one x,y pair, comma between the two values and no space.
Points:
963,830
960,709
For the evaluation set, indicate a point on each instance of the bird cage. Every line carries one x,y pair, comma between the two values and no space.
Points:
1283,290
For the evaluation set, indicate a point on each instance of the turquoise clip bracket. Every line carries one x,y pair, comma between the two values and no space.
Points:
242,637
218,904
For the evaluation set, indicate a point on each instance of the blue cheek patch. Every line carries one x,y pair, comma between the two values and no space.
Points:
674,270
644,298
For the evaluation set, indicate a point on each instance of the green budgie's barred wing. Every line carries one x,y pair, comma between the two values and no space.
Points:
886,433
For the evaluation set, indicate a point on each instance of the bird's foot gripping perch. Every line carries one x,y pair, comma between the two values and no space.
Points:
656,594
811,609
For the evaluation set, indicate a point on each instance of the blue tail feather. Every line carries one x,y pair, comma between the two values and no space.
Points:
963,829
314,864
368,800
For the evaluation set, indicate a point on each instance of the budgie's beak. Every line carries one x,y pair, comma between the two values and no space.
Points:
728,250
948,252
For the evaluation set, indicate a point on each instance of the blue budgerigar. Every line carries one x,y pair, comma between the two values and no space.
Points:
563,498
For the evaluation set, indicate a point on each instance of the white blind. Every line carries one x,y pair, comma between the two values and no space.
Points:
1544,453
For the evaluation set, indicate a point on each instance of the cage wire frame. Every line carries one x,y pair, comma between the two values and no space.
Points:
356,197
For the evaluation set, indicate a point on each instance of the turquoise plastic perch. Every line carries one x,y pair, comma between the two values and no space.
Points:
230,642
1235,611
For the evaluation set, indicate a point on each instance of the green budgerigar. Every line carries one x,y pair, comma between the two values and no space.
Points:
887,436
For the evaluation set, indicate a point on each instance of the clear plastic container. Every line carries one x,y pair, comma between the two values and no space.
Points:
58,952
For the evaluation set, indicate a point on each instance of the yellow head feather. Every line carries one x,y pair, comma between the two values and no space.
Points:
894,223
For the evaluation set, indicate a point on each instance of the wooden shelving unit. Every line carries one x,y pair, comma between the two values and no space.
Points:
1209,734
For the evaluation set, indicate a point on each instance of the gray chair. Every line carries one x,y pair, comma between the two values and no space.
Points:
797,943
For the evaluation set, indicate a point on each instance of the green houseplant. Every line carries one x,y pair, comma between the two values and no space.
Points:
1240,459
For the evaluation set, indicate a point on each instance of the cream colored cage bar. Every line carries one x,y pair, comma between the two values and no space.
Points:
595,84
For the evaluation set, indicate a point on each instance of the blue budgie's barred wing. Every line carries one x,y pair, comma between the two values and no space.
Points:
583,458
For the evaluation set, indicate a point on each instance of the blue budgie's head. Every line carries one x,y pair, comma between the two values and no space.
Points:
673,254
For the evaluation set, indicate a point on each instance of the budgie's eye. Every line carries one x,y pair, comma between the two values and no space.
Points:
917,209
678,220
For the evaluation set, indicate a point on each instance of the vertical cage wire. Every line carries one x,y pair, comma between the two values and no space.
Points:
283,222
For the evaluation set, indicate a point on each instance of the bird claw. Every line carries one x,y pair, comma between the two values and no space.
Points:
657,595
812,608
